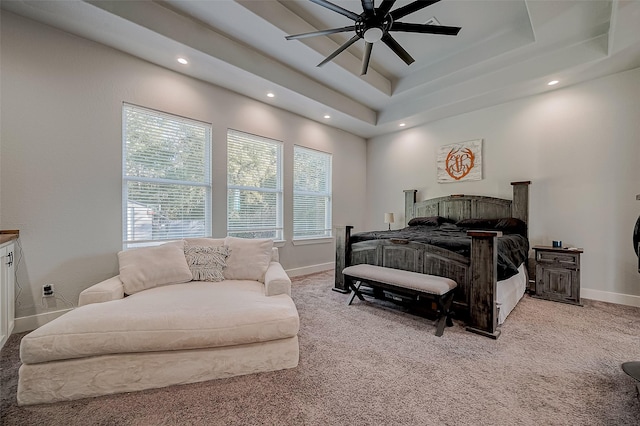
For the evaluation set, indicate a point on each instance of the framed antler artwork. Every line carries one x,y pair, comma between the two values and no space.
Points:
460,161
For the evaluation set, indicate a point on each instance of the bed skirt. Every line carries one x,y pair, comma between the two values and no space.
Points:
510,291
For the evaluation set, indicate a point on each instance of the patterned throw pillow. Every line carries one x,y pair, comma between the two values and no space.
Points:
206,263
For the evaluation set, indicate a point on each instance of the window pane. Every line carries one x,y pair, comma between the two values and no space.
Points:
253,161
160,146
164,212
310,216
166,174
254,177
312,171
311,193
252,210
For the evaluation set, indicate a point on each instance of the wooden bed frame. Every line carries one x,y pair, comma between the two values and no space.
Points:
475,299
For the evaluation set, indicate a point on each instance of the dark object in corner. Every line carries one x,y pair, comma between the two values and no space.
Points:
633,369
636,240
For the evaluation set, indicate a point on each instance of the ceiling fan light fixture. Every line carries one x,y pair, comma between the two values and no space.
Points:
373,35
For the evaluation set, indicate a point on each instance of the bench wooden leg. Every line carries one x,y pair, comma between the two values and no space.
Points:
444,317
356,291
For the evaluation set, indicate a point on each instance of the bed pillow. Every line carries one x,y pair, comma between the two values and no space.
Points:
206,262
429,221
149,267
477,223
511,225
248,258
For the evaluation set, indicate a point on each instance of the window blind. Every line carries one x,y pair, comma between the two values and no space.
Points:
254,186
311,193
166,177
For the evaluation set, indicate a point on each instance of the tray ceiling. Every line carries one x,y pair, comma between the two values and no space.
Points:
506,49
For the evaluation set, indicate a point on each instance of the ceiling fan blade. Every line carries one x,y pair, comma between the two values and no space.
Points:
366,58
424,28
397,49
321,32
367,6
410,8
340,50
336,8
386,6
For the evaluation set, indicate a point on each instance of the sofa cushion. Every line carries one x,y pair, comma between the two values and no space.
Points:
248,258
206,263
173,317
149,267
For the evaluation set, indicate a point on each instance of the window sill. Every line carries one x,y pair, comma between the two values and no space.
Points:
308,241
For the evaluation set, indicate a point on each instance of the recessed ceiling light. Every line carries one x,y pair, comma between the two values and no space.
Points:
402,124
183,61
327,116
271,95
553,82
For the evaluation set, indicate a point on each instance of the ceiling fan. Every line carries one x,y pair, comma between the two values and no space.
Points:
375,24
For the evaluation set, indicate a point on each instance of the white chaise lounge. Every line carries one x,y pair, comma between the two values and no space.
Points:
169,329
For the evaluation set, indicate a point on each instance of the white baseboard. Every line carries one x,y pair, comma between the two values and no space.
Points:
296,272
607,296
34,321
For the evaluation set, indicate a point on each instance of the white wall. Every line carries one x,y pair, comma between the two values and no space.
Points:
61,161
578,145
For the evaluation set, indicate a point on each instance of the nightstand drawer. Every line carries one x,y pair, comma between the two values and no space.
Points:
567,260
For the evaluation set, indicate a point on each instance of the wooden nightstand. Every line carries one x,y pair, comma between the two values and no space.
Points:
558,274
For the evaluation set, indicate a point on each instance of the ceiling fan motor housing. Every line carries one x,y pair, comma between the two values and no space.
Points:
373,28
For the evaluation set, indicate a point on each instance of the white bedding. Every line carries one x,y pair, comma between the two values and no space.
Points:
510,291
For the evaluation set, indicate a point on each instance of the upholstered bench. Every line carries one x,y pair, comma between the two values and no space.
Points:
413,284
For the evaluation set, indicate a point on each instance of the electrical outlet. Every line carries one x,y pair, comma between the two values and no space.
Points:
47,290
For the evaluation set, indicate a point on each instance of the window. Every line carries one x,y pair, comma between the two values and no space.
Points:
311,193
166,177
254,186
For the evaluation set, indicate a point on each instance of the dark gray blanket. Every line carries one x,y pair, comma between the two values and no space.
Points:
513,249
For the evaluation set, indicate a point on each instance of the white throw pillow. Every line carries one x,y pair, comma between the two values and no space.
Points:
206,263
248,258
149,267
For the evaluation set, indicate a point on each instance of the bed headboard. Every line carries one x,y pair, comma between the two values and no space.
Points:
470,206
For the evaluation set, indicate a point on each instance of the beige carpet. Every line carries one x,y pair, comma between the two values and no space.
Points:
365,364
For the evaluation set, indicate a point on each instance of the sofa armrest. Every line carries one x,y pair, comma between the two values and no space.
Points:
276,280
111,289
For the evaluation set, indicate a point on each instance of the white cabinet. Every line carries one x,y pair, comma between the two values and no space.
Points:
7,291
